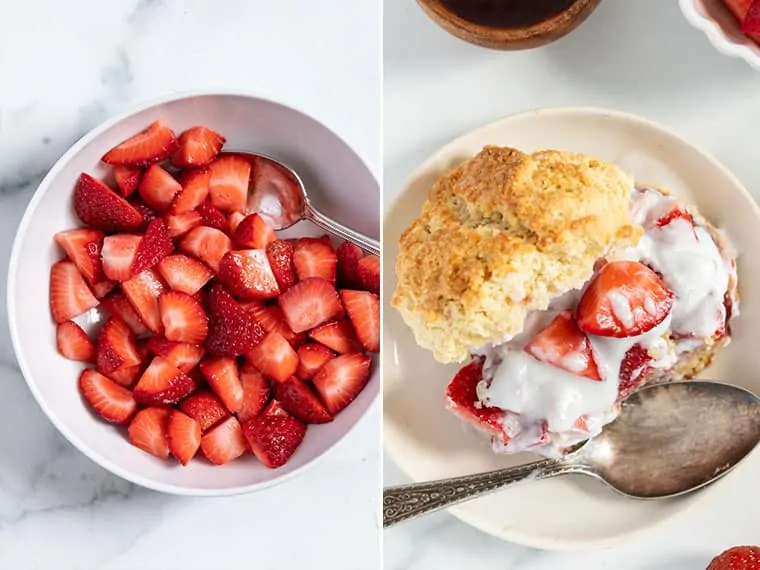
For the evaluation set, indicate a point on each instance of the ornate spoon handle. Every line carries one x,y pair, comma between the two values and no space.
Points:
368,244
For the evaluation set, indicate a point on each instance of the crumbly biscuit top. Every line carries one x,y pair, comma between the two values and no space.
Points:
501,235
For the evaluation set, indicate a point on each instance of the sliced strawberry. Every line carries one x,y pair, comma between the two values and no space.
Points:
158,188
163,384
369,273
349,256
184,435
274,438
183,317
83,247
280,255
180,224
148,214
256,392
234,221
363,309
675,214
341,380
155,245
127,377
337,335
224,443
119,253
274,409
154,144
299,401
183,355
224,378
315,258
100,207
194,190
228,187
116,347
73,343
312,357
207,244
212,217
253,233
119,306
103,288
310,303
633,370
127,178
110,401
198,146
143,291
271,319
185,274
205,408
69,294
625,298
148,431
462,399
232,330
274,357
563,344
248,275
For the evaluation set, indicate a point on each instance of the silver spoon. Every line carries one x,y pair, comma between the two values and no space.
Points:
285,203
670,439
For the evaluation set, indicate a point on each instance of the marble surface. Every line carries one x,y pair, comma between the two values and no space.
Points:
64,68
638,56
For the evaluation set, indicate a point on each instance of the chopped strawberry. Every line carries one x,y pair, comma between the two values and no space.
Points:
625,298
116,347
341,379
228,187
312,357
119,306
280,255
234,221
562,344
633,369
337,335
248,275
83,247
369,273
127,377
274,409
363,309
198,146
253,233
310,303
737,557
163,384
462,399
183,355
224,378
184,435
675,214
119,253
194,190
100,207
232,330
298,400
212,217
185,274
256,392
271,319
274,357
155,245
315,258
148,214
73,343
158,188
205,408
127,178
143,291
180,224
224,443
69,294
154,144
349,256
207,244
274,438
148,431
103,288
183,317
110,401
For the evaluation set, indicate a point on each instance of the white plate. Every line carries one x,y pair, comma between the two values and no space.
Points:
428,442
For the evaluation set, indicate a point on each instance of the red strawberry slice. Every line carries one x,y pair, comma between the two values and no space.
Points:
313,257
69,294
310,303
223,377
198,146
341,380
155,245
562,344
180,224
116,347
194,190
232,330
73,343
162,384
103,288
148,431
633,370
256,392
253,233
349,256
369,273
143,291
148,214
274,357
83,247
224,443
127,178
312,357
363,309
110,401
212,217
118,305
154,144
183,318
337,335
183,355
234,221
184,436
271,319
158,188
248,275
675,214
625,298
207,244
127,377
205,408
462,399
274,438
100,207
185,274
228,187
299,401
274,409
119,253
280,255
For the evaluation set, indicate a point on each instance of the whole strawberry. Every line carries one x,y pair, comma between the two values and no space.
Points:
737,558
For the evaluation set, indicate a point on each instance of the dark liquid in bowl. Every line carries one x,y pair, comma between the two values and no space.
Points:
506,13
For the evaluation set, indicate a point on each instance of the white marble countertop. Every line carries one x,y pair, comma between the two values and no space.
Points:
638,56
64,68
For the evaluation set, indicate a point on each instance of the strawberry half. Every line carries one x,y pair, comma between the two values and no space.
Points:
363,309
271,319
182,355
312,357
69,294
155,245
349,256
274,438
212,217
185,274
158,188
280,255
256,392
341,380
194,190
369,273
73,343
207,244
116,347
198,146
633,369
248,275
253,233
228,186
310,303
224,443
183,317
298,400
98,206
232,330
223,377
148,431
154,144
314,257
83,247
205,408
162,384
184,436
462,399
110,401
274,357
143,291
337,335
180,224
119,255
127,178
118,305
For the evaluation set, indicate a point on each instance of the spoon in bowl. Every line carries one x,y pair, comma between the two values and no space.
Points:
669,439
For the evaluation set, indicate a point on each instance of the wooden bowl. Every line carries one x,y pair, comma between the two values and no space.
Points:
534,35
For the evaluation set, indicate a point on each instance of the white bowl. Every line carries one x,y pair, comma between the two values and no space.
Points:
428,442
721,28
335,175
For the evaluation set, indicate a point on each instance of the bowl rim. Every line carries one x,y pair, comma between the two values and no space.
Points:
11,288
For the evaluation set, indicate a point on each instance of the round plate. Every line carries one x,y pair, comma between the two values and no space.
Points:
428,442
